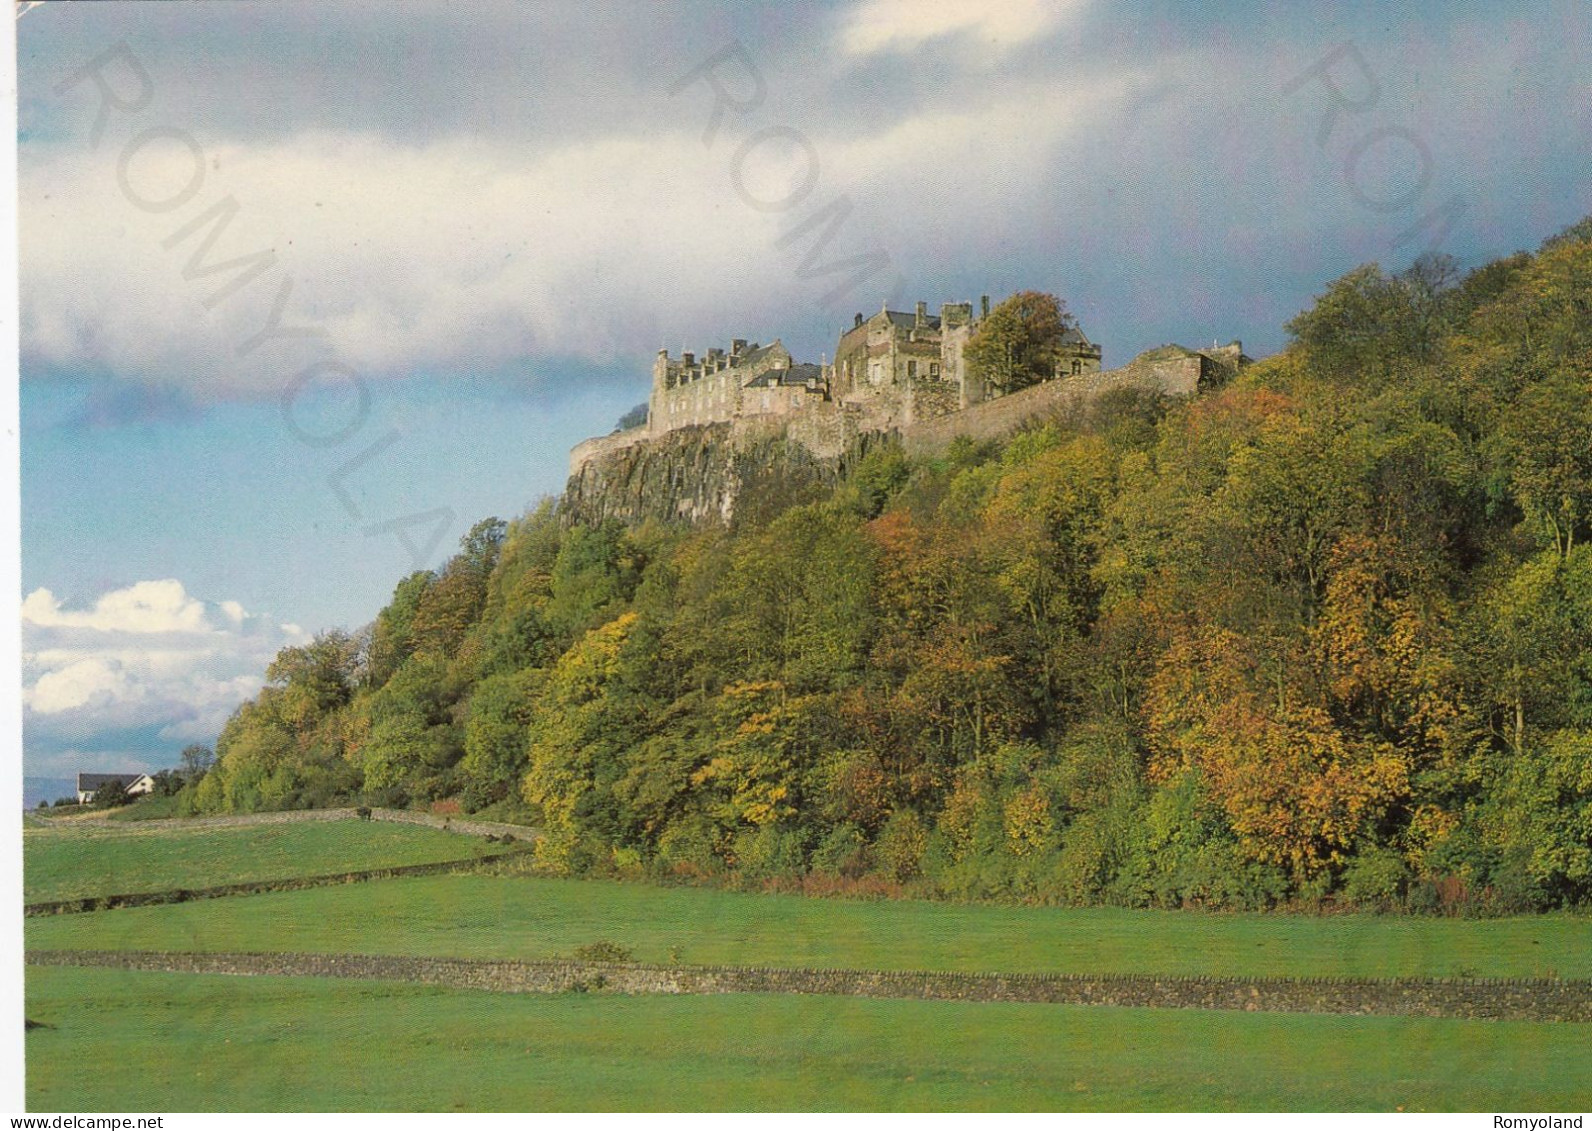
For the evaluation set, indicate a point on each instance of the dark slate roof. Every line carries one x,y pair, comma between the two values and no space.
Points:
794,375
94,781
753,356
910,321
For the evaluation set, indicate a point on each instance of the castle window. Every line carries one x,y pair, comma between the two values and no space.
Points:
934,369
912,370
1077,368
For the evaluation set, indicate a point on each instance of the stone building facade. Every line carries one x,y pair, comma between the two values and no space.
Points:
911,366
745,380
892,373
894,368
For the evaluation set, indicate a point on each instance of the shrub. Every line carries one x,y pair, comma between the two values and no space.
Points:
687,848
901,845
604,951
844,853
1376,876
771,853
110,795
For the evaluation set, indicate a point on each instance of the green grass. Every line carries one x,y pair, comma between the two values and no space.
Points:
66,862
63,810
165,1042
513,917
149,808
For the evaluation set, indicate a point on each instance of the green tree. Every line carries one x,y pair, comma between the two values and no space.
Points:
111,795
392,637
1545,443
1017,345
496,734
196,761
315,679
595,574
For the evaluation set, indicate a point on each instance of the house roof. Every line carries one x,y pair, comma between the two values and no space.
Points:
798,374
910,321
752,357
94,781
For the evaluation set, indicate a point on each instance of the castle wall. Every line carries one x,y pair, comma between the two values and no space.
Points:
928,414
599,446
826,429
716,471
1179,374
928,398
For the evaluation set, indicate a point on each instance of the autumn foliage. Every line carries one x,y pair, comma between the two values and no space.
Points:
1319,635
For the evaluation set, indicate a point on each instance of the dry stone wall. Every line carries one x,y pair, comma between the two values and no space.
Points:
256,887
1497,999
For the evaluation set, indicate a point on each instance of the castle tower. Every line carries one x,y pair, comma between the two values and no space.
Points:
657,412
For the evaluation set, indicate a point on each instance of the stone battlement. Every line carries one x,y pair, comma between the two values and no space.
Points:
890,371
808,414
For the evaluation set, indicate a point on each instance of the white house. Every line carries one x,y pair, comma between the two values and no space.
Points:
134,784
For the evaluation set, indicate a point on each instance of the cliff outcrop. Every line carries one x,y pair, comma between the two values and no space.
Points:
719,471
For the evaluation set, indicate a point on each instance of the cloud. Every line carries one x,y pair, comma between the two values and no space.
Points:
147,607
463,254
509,210
148,658
879,26
474,255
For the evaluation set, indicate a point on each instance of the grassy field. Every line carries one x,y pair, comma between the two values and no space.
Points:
66,862
513,917
194,1043
145,809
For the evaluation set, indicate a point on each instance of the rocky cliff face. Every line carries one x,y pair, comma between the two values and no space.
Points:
753,467
708,473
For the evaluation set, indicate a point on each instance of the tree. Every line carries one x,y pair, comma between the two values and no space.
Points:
495,735
197,759
450,606
1017,345
1368,323
1545,441
110,795
392,636
577,738
315,679
635,418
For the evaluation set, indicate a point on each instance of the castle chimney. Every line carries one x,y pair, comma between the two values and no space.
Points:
922,313
983,305
688,359
858,322
737,346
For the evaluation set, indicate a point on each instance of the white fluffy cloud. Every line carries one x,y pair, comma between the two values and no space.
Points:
531,192
149,655
470,254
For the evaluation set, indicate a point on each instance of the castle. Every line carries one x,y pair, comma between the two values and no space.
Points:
895,373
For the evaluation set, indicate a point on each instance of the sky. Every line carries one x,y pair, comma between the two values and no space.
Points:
308,288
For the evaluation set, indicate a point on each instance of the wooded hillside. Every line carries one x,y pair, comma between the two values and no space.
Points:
1321,633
